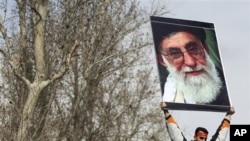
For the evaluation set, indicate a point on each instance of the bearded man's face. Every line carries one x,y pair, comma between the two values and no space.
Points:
186,60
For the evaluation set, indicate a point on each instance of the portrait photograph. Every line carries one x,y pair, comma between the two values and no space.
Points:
190,68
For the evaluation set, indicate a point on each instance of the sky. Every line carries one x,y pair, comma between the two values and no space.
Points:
231,19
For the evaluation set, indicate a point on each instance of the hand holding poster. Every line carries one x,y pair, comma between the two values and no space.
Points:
189,64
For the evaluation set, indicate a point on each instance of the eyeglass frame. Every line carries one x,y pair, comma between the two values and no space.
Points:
200,51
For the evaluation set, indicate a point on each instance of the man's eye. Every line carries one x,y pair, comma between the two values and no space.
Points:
174,52
192,49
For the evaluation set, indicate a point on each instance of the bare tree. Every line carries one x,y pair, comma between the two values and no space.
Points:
79,70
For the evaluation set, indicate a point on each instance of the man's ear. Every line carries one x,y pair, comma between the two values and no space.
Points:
160,60
194,138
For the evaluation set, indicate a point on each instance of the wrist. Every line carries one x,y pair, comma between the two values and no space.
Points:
229,113
228,117
167,114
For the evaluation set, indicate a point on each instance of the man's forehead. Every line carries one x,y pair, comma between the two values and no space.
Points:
179,39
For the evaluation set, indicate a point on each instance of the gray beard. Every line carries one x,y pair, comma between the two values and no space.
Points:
198,89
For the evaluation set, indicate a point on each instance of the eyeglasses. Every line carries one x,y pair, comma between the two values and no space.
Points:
202,138
193,49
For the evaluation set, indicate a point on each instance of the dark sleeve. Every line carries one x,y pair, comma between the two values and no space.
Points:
222,131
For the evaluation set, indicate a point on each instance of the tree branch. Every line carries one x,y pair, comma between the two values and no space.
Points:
4,33
14,66
66,62
4,54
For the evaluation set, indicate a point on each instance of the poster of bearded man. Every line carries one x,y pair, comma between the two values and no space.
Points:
190,68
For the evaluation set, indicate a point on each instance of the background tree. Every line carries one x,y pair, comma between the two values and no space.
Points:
78,70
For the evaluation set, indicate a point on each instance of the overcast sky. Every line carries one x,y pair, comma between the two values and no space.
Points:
231,19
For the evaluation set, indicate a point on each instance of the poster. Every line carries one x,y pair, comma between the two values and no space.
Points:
189,65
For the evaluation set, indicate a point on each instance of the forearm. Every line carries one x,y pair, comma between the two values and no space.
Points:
174,131
223,129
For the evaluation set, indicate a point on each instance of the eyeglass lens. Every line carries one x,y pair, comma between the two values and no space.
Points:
175,53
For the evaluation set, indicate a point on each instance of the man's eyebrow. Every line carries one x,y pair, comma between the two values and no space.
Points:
172,48
191,43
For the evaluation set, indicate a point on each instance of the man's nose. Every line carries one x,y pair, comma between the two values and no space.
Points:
188,59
